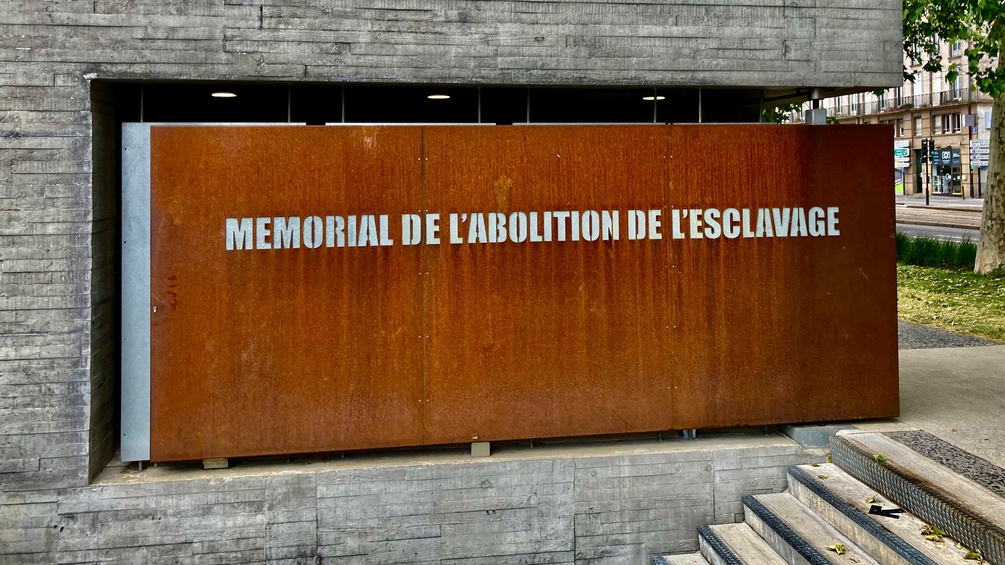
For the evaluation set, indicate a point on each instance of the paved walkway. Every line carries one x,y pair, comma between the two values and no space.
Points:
955,393
942,211
948,202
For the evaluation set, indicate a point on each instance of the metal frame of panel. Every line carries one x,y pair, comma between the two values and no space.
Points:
135,342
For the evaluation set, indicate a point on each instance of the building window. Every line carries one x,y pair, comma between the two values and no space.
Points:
917,125
946,123
954,88
956,49
899,128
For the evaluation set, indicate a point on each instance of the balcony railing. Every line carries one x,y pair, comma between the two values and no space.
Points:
908,102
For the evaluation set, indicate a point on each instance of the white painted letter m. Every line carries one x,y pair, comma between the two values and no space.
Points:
239,237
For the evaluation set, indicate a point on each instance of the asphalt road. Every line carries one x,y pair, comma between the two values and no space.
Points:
941,233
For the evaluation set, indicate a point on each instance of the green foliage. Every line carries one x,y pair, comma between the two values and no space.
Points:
779,114
926,251
903,246
980,23
966,254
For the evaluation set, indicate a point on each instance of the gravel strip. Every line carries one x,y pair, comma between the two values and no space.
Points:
961,462
917,336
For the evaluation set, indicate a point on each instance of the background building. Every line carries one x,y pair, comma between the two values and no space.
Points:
953,114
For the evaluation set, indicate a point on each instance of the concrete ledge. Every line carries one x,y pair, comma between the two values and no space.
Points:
814,435
613,502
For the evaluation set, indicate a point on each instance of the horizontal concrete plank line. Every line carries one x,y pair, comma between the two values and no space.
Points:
225,10
69,21
176,491
647,64
588,506
125,54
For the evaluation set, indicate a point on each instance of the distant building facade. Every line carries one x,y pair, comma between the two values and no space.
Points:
952,114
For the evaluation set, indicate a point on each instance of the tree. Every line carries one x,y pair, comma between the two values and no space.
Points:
981,25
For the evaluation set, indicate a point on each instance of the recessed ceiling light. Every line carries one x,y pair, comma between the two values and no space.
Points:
223,95
652,98
439,97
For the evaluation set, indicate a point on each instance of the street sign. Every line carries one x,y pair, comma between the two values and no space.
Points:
901,154
980,151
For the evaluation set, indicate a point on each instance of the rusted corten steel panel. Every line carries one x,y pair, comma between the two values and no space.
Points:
282,350
784,329
450,336
546,338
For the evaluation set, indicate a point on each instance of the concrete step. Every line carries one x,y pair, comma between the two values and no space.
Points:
964,509
845,503
681,559
798,535
735,544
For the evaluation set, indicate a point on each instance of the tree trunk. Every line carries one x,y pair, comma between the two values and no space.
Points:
991,245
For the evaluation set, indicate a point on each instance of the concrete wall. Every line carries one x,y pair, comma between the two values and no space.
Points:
616,503
58,199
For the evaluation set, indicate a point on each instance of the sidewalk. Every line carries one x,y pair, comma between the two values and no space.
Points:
942,211
951,386
957,395
939,201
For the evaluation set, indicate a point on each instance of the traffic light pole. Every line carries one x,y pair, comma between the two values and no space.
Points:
928,179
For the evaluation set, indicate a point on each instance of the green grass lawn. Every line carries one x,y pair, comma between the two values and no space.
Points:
954,300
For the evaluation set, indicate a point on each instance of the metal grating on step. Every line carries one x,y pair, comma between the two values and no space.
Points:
894,542
789,535
718,546
921,499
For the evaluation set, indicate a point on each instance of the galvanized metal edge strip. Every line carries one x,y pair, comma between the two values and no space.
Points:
788,535
135,342
718,546
886,537
921,499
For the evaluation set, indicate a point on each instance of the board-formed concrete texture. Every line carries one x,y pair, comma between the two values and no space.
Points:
59,201
611,503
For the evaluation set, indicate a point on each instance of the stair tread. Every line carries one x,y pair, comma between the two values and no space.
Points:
683,559
905,461
813,529
854,493
746,544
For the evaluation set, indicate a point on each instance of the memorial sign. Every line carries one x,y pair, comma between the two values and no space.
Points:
353,287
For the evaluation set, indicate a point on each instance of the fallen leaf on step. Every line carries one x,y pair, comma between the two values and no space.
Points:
879,458
872,499
932,530
830,459
824,477
837,548
973,555
814,464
